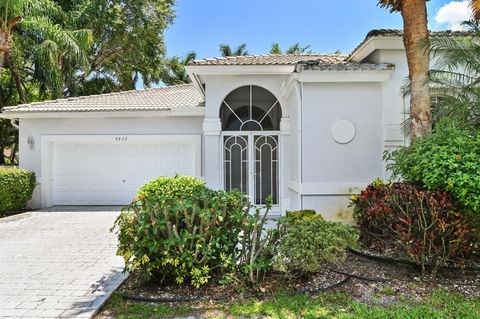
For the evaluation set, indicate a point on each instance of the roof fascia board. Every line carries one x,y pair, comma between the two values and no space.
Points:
239,69
197,111
376,43
345,76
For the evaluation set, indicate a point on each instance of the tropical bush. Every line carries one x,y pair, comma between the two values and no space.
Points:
454,87
447,160
419,225
16,189
309,244
179,229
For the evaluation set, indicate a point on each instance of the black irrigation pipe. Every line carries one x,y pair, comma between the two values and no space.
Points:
382,259
363,278
347,277
390,260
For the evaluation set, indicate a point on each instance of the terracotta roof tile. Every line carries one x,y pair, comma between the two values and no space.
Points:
165,98
270,59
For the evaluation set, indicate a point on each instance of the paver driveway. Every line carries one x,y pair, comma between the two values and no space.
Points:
57,264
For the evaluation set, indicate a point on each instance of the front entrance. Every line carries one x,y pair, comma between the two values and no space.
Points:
250,117
251,165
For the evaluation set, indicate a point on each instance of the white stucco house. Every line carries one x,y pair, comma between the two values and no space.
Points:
308,129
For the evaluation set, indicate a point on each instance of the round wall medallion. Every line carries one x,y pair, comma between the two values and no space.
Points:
343,131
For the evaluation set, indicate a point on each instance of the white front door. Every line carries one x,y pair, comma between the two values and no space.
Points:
251,165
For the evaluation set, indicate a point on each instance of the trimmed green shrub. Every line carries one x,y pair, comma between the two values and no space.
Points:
306,214
16,189
418,225
179,229
447,160
308,243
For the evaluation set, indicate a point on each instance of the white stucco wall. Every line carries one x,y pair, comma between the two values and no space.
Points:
330,170
34,128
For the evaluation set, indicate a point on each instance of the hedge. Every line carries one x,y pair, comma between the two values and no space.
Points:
16,189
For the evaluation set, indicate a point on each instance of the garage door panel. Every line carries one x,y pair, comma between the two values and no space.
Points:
93,173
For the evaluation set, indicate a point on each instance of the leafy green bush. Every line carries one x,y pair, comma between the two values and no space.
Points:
309,243
417,224
179,229
16,189
306,214
447,160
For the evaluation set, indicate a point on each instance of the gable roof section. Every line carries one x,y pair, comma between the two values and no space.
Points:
398,33
158,99
270,59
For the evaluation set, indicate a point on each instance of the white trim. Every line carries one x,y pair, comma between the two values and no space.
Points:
309,189
288,85
47,142
180,111
345,76
285,124
212,126
376,43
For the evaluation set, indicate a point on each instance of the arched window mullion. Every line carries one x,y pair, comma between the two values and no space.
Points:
233,112
250,108
266,114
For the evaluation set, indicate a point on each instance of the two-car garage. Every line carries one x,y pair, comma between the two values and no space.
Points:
108,169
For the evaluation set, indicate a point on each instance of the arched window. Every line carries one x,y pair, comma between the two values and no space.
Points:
250,108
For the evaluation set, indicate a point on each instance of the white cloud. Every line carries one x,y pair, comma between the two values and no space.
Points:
453,14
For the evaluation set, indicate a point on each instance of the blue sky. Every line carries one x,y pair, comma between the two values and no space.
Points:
328,26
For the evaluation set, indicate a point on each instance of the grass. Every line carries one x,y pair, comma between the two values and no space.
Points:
438,305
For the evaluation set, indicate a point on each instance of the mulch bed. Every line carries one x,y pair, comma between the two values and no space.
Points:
401,281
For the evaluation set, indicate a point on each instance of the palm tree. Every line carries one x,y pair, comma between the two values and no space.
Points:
475,5
174,70
454,83
52,46
226,50
294,49
276,49
415,35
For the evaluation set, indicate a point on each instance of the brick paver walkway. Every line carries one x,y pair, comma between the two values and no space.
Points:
57,264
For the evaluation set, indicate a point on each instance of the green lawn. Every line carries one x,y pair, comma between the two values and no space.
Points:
332,305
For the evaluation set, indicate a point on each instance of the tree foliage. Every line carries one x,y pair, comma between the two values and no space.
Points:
174,69
61,48
454,78
296,48
226,50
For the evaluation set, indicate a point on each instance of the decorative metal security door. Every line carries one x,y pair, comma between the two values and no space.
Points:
251,165
250,117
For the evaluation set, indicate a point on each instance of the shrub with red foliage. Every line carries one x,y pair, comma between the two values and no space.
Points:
420,225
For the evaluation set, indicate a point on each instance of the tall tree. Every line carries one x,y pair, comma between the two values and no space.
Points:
36,49
38,43
293,49
226,50
128,46
415,36
174,69
454,78
475,5
276,49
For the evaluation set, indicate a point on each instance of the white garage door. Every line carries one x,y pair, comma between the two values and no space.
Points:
100,173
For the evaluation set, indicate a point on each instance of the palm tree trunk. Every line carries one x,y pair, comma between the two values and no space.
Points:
414,13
